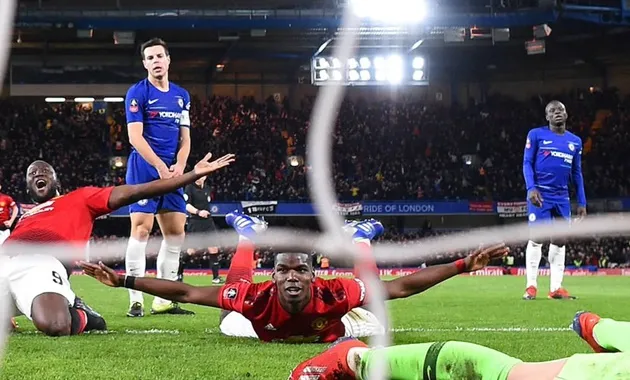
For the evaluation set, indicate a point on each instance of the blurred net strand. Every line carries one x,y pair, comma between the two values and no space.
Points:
288,239
319,146
7,9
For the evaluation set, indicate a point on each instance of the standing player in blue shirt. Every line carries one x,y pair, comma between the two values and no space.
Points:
158,123
552,159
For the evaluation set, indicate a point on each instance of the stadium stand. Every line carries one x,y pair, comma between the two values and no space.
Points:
376,147
384,166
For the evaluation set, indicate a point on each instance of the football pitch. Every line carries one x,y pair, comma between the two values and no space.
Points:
484,310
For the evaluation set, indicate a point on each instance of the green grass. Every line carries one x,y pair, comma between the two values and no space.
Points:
192,348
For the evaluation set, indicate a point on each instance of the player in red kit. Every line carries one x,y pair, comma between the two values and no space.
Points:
295,304
8,213
38,283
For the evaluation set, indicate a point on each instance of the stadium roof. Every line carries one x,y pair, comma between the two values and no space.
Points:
49,30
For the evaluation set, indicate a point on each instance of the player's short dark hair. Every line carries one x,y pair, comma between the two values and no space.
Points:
153,42
309,257
553,102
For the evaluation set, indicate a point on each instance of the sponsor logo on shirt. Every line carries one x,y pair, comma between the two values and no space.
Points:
564,156
165,114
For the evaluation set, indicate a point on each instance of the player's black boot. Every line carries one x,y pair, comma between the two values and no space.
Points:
94,320
136,310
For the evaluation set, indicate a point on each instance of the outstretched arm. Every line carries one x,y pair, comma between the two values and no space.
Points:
426,278
127,194
170,290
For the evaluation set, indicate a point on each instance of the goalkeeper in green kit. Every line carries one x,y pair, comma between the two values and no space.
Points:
349,358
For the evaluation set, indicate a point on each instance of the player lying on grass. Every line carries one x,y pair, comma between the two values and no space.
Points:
38,283
295,305
350,358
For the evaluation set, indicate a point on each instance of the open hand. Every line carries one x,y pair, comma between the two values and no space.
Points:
163,171
581,213
535,198
177,169
102,273
480,258
204,167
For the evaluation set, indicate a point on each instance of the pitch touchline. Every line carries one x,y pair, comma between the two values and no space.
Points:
394,330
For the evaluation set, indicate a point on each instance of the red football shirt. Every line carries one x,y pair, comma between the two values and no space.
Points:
6,205
320,321
67,218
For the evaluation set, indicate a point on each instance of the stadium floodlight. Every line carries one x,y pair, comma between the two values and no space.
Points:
379,63
418,63
322,75
383,68
55,100
321,63
84,100
365,62
353,63
418,75
114,99
395,69
392,11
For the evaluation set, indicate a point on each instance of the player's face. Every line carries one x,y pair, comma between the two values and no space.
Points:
293,276
556,113
41,181
156,61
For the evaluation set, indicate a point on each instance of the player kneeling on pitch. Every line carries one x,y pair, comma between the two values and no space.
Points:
38,283
295,305
350,359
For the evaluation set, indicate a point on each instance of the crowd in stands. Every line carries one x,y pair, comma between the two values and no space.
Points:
383,150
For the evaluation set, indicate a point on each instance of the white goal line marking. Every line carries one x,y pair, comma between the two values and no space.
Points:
394,330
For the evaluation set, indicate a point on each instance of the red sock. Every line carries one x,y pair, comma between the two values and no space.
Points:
241,268
79,321
366,262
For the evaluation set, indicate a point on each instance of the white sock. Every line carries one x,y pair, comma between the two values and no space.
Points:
168,262
136,264
533,253
556,266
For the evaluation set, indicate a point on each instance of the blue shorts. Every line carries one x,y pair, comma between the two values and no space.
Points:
549,212
139,171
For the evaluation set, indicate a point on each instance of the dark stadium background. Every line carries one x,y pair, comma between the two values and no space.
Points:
247,63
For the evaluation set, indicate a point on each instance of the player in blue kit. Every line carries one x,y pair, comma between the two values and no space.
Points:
158,123
552,160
